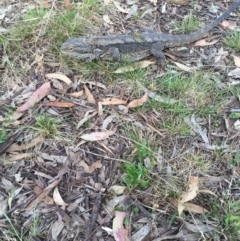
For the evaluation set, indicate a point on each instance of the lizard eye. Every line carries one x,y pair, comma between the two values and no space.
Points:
70,48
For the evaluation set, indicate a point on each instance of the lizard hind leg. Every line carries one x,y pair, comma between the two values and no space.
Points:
156,50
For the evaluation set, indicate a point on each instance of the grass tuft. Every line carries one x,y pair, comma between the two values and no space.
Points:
233,40
47,126
188,25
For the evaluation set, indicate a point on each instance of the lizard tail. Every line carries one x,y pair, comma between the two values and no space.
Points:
178,40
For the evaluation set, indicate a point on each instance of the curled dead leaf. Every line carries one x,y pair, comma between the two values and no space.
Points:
184,67
89,95
42,195
138,102
189,195
231,25
119,233
47,200
98,136
39,94
76,94
90,169
62,77
15,147
20,156
59,104
203,42
180,2
190,207
113,101
57,198
236,60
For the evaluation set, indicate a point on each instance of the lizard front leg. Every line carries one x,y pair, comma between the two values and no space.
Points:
156,50
115,54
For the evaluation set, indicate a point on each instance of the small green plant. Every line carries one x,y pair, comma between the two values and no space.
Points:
228,216
89,7
143,150
232,220
46,125
33,17
136,175
234,115
236,159
25,234
188,25
233,40
3,135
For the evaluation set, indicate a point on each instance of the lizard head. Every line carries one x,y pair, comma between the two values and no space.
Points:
80,49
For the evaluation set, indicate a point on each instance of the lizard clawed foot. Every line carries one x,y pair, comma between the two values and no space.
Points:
162,63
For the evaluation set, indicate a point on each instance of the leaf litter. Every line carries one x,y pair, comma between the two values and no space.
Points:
73,182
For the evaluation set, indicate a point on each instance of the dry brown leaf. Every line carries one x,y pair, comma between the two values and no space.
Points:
3,207
62,77
90,169
173,201
189,195
100,108
236,60
184,67
117,189
207,191
48,200
119,232
45,4
59,104
87,117
192,192
42,195
113,101
89,95
76,94
15,147
107,121
106,2
16,115
53,158
231,25
208,181
98,136
235,73
138,102
180,2
105,147
190,207
7,185
237,125
57,227
203,42
68,4
57,198
198,226
137,65
39,94
20,156
121,9
4,223
106,19
38,60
